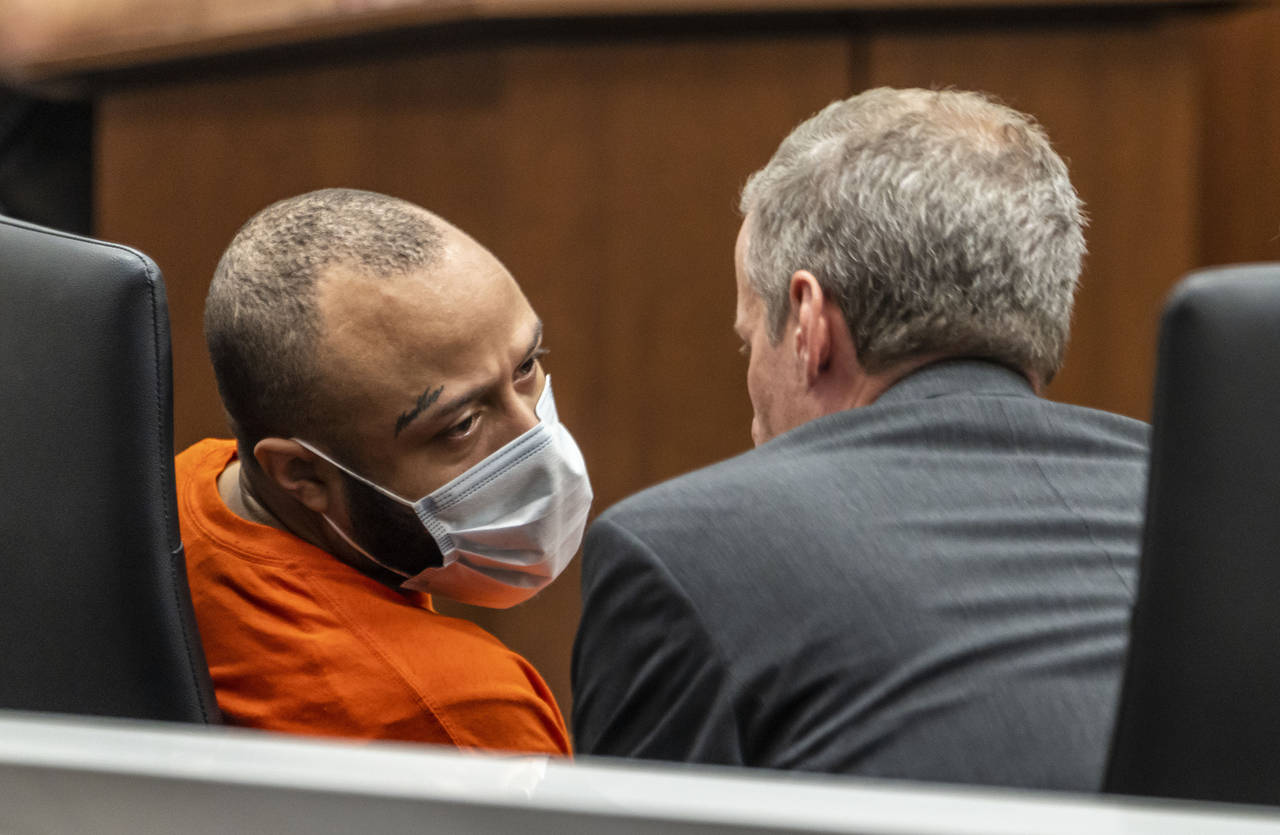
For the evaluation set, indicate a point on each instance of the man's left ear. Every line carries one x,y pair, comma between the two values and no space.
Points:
813,328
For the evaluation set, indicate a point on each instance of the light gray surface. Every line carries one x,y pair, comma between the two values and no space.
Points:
64,775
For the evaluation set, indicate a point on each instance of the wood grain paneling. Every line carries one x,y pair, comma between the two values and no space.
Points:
58,39
605,175
1121,103
1240,208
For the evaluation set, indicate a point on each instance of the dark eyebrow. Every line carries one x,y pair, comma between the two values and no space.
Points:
537,339
430,396
424,402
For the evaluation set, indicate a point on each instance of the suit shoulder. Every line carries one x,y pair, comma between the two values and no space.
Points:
1109,426
682,494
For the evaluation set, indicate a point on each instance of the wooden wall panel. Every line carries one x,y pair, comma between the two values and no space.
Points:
1120,100
605,175
1240,207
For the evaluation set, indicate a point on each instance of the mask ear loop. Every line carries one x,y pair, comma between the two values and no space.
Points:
339,531
346,538
384,491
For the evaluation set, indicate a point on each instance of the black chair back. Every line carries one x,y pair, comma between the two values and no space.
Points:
95,612
1200,707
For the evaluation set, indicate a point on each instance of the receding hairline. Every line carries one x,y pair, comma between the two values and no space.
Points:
461,269
260,314
453,244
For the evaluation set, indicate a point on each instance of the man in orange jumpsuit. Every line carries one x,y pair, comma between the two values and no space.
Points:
395,436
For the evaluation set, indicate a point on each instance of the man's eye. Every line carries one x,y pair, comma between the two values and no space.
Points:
461,428
528,366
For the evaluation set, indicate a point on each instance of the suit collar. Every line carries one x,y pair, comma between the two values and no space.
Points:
960,376
964,377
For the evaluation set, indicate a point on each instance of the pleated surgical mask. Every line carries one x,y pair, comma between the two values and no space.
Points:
507,526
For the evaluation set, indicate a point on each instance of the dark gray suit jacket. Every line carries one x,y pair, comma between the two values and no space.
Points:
936,586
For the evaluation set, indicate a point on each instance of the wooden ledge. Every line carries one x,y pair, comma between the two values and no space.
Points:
43,40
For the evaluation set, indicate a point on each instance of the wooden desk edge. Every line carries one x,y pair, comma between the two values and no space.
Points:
42,43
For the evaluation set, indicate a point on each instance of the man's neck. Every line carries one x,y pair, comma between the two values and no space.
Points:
866,388
237,494
872,386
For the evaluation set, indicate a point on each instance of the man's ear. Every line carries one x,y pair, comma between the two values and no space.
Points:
812,324
297,471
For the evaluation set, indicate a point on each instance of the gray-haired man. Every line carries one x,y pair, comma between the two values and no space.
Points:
924,570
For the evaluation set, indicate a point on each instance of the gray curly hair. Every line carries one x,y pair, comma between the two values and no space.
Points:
939,221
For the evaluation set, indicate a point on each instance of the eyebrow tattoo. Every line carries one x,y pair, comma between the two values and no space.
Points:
424,402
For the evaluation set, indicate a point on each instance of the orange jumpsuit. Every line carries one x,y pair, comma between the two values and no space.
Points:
298,641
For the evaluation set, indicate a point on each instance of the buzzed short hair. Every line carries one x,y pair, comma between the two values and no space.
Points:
261,316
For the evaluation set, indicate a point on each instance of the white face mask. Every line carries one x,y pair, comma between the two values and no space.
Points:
507,526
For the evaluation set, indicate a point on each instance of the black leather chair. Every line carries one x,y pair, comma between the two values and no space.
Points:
95,612
1200,707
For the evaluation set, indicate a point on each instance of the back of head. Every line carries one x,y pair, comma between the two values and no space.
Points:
941,222
261,315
